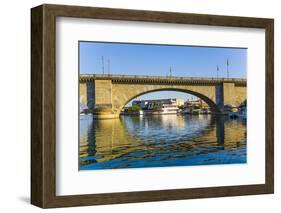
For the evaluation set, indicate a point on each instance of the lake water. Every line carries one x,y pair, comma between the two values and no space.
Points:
164,140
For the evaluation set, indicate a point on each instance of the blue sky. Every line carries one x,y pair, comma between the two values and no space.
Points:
156,60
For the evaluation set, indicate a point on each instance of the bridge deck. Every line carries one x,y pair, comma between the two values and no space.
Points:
159,79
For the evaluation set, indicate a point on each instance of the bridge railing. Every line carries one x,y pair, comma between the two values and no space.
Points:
157,77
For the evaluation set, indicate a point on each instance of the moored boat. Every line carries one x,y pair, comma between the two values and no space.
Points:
169,109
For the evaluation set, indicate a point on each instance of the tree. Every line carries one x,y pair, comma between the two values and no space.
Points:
181,107
134,108
196,107
156,107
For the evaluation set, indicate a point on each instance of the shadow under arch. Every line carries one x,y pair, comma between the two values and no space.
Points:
213,106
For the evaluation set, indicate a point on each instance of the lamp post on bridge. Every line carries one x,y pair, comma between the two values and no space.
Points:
108,63
227,69
102,63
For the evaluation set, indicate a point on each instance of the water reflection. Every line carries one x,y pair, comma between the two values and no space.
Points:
167,140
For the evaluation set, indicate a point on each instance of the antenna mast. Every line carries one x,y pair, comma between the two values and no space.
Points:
227,65
102,61
108,61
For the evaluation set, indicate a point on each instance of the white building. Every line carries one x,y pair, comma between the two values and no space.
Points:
150,104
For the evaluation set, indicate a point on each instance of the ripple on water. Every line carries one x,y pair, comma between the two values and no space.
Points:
168,140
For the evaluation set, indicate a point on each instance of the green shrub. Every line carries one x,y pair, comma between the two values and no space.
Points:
196,107
134,108
156,107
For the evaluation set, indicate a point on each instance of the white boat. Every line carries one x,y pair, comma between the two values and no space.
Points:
169,109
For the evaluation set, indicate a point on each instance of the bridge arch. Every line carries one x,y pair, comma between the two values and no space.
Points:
213,106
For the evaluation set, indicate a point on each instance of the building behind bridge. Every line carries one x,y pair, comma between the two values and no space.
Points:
150,104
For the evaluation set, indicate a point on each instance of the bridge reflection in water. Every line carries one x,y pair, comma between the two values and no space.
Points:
166,140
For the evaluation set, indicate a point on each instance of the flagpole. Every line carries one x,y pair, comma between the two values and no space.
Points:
227,64
170,72
108,66
102,61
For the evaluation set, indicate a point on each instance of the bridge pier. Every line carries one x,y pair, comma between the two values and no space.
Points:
103,112
225,95
87,94
97,96
103,107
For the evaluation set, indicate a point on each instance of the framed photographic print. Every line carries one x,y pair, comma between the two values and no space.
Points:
136,106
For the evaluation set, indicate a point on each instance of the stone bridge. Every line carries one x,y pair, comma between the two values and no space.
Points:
106,95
